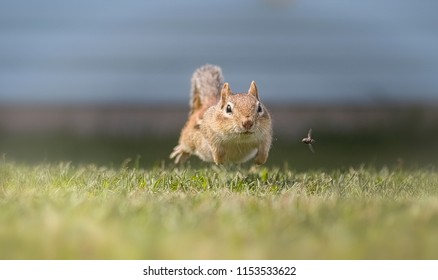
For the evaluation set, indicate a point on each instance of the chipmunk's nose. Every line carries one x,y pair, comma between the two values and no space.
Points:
247,124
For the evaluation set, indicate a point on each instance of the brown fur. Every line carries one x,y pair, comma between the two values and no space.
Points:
224,127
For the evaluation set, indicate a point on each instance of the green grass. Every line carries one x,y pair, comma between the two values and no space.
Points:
86,211
364,194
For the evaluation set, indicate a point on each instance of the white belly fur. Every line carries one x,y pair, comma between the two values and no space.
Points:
239,151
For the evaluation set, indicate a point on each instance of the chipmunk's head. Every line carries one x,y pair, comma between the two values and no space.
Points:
242,113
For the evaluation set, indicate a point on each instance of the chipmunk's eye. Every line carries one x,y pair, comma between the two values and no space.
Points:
229,110
259,109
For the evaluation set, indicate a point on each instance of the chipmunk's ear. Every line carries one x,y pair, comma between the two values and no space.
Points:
253,90
226,91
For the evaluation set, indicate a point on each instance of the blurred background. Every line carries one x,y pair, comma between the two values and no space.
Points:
107,81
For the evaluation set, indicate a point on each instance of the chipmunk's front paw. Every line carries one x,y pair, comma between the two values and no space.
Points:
262,156
218,156
179,154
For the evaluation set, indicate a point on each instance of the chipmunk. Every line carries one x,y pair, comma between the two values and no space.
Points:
223,127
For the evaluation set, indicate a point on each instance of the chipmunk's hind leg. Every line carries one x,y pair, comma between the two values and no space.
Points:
179,154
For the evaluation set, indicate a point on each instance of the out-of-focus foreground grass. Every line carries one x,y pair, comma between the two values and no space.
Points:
63,211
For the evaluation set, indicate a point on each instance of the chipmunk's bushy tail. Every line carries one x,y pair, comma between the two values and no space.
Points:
207,82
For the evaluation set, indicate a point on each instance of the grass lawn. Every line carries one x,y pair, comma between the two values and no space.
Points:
368,195
90,211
